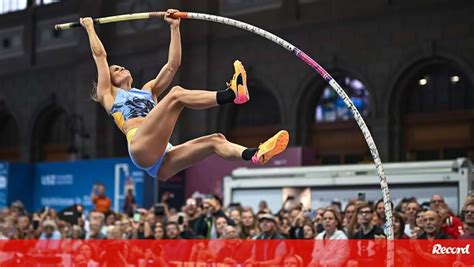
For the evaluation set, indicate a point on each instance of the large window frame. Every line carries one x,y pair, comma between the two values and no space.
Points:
437,113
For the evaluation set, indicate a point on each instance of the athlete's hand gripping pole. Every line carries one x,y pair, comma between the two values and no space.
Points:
125,17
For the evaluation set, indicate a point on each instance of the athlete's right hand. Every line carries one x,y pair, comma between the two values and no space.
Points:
86,22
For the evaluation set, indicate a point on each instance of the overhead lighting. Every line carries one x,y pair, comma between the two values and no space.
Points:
454,79
423,81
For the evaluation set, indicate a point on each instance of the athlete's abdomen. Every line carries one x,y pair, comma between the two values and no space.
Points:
132,123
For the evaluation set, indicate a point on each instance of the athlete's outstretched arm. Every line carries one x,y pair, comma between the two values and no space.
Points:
104,83
167,73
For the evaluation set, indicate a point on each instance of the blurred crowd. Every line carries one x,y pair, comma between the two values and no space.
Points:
206,218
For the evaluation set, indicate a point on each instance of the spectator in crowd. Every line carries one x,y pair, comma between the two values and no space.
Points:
17,208
432,227
193,213
110,219
398,226
468,199
49,237
215,246
145,229
206,226
318,221
95,227
377,219
469,222
231,252
432,231
436,202
268,228
380,209
172,230
128,230
464,260
334,253
221,224
175,250
7,231
77,232
412,208
86,256
185,231
296,222
215,225
159,232
450,224
129,204
249,224
102,203
138,226
308,229
4,213
25,229
284,225
419,222
366,249
349,212
235,215
64,229
114,233
402,205
268,253
364,218
49,231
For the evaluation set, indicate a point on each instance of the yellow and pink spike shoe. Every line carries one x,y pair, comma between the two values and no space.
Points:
238,84
271,147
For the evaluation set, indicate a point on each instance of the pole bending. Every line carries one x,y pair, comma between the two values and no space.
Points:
308,60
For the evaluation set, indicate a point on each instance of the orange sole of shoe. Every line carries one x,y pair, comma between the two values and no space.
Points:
279,145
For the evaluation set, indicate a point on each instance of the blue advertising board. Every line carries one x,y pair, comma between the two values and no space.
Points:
63,184
3,184
16,183
20,183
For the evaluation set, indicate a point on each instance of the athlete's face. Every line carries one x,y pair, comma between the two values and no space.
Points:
119,75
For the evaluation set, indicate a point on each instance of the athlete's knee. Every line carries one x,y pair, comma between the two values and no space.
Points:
176,92
165,172
218,137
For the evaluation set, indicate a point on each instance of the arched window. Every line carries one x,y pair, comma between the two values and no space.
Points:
52,136
439,88
332,132
255,121
438,114
9,138
332,108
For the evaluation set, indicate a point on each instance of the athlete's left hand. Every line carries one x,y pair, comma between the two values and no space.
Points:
172,21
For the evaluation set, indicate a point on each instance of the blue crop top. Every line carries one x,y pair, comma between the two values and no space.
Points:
131,104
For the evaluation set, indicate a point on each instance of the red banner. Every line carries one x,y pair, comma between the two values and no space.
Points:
235,253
